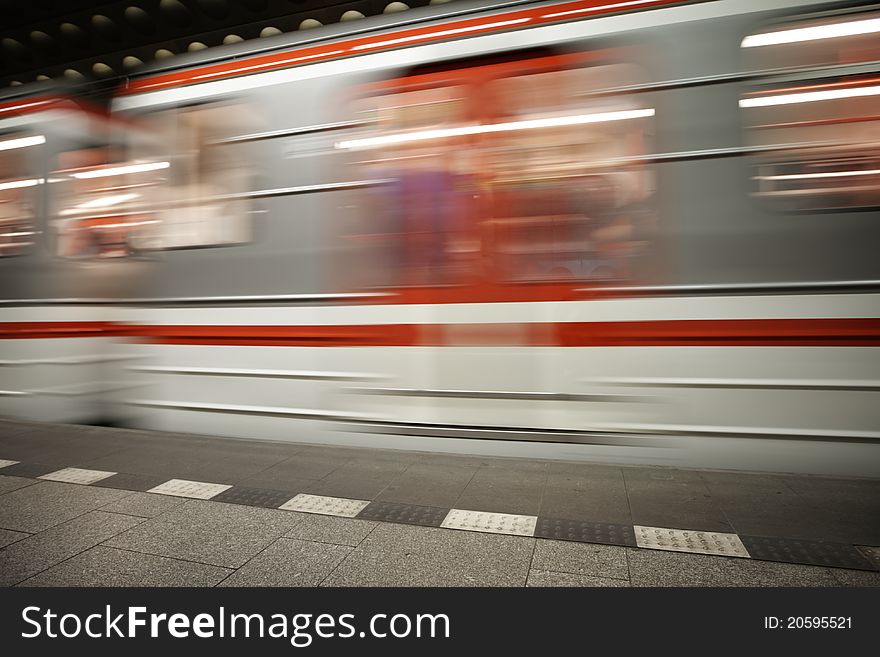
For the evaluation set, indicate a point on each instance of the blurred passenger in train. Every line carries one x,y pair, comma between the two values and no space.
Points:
420,213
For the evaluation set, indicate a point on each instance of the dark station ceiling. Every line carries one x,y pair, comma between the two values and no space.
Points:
102,41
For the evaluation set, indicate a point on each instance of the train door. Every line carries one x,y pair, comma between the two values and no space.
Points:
510,185
22,176
63,248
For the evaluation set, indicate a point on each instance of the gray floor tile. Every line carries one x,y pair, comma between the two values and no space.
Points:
730,481
290,562
60,445
661,568
854,524
813,553
337,453
598,497
33,555
428,484
38,507
856,577
144,505
29,469
13,427
329,529
581,559
104,566
766,516
766,505
8,483
550,578
581,470
405,555
8,537
217,462
503,490
295,473
219,534
850,506
441,459
679,501
661,473
827,490
133,482
535,466
361,479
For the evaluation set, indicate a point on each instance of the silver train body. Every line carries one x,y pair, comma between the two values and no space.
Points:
277,262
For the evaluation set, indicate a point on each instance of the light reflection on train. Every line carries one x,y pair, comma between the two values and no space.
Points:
560,242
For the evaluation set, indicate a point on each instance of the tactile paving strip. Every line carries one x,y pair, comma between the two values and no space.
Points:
685,540
4,463
408,514
269,499
585,532
872,554
325,505
77,476
195,489
814,553
495,523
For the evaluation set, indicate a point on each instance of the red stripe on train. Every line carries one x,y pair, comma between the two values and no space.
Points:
34,330
726,332
657,333
580,9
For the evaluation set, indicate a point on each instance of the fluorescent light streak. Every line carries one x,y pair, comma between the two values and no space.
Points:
827,174
23,106
118,171
24,233
809,97
128,224
106,201
592,10
22,142
441,33
529,124
852,28
18,184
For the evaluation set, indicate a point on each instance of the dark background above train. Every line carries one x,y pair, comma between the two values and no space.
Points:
103,41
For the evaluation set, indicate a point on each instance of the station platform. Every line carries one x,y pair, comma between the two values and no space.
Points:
98,506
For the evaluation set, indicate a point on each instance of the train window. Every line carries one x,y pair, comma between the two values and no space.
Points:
17,216
414,223
102,198
570,196
818,137
843,39
519,171
202,202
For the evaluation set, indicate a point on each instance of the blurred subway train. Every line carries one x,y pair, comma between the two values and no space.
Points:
633,232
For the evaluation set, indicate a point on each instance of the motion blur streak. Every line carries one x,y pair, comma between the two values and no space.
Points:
614,231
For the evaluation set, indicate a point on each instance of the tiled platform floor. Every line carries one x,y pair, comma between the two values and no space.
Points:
111,532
